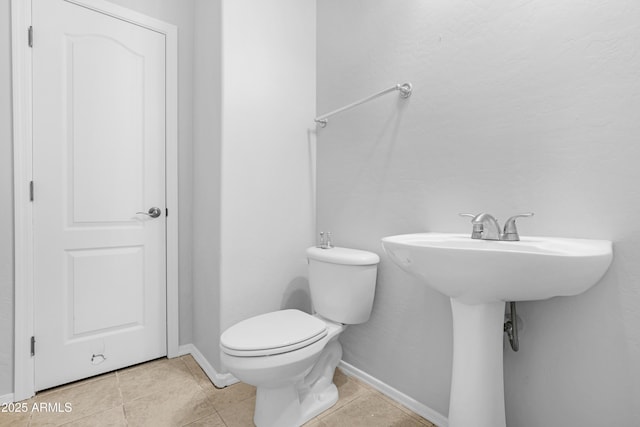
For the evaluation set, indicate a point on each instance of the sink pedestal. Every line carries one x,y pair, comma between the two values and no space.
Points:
477,385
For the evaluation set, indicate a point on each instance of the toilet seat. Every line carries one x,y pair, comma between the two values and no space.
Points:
272,333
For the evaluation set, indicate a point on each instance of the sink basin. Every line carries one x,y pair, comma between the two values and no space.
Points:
479,276
476,271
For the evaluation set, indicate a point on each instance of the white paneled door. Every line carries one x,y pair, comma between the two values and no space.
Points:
98,172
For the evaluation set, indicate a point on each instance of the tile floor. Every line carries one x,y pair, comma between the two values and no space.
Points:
176,392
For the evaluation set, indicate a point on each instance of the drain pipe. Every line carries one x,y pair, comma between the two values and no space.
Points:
511,326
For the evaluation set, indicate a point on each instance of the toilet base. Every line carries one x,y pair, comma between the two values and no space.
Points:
292,405
281,407
277,406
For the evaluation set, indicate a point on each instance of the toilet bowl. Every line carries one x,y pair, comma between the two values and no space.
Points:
291,356
286,394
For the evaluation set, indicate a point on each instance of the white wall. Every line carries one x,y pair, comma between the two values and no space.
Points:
518,106
268,74
6,204
177,12
207,122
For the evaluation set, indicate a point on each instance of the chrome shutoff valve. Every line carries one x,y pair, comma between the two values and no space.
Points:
325,240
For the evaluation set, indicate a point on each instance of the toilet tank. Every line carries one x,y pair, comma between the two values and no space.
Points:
342,283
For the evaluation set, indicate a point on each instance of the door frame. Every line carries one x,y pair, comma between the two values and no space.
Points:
22,79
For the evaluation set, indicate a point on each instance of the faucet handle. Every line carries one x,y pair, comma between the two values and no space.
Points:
510,231
477,227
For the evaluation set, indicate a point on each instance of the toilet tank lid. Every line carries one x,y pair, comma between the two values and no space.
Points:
344,256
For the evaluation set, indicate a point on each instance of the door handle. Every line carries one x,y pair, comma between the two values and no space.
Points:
153,212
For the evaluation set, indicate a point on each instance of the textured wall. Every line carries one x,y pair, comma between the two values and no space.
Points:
518,106
207,125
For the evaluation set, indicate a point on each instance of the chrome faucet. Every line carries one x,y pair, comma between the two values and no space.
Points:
486,227
490,226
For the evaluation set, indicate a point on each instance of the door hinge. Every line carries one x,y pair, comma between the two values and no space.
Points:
166,212
31,191
33,346
30,36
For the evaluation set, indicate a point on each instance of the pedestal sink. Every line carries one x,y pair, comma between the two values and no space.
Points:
480,276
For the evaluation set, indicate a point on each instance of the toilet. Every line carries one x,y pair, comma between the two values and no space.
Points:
289,355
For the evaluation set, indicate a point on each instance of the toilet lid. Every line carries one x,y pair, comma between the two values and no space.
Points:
272,333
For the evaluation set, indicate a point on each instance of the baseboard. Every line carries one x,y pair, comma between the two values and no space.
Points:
219,380
6,398
409,402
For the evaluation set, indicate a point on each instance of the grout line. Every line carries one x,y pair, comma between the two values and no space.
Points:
197,380
194,373
219,416
222,419
30,414
206,416
124,410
